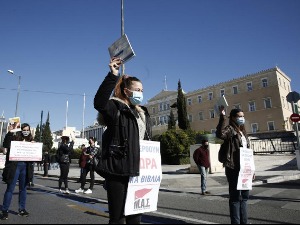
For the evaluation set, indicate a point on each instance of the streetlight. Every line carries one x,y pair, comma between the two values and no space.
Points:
19,80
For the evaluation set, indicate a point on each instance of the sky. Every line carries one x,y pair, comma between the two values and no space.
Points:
59,48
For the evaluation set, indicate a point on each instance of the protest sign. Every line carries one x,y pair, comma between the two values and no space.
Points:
15,124
142,193
26,151
247,169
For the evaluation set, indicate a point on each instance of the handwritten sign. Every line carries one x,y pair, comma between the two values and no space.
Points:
142,193
247,169
26,151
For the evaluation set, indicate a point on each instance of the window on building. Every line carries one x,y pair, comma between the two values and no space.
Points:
252,107
153,110
283,102
284,85
166,119
249,86
264,82
222,92
161,120
254,127
235,90
201,116
268,103
199,99
190,117
153,122
210,96
165,107
271,126
189,101
279,81
161,106
212,114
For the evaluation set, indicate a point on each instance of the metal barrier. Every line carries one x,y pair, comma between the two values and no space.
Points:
272,145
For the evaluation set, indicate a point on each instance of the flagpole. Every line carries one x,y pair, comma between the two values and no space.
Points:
67,114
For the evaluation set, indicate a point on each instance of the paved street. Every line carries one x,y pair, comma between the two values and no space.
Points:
276,192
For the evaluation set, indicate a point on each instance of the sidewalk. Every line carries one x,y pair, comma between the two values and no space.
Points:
269,169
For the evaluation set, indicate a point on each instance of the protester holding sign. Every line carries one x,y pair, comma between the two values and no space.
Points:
16,171
64,152
235,138
127,123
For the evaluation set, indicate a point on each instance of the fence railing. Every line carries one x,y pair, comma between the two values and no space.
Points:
273,145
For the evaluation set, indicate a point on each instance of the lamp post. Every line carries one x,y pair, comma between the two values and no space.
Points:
18,94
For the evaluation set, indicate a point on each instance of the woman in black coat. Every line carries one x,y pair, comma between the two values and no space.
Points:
64,152
15,171
127,123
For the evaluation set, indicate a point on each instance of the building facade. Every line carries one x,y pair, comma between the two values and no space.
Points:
262,97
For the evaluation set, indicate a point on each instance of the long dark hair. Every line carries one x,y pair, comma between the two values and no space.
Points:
233,123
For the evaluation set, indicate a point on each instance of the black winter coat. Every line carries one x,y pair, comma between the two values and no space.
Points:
10,168
232,143
120,141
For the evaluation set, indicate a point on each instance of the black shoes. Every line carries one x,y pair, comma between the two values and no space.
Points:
4,215
205,193
23,213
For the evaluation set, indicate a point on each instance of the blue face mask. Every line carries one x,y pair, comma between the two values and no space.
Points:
136,98
240,121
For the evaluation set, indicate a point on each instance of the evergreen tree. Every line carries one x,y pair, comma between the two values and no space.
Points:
172,121
37,134
47,136
183,121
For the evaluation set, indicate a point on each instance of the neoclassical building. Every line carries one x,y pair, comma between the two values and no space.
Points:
262,97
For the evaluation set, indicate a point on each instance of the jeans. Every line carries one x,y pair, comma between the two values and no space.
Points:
237,199
203,172
21,176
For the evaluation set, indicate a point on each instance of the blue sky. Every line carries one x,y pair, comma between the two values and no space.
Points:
59,48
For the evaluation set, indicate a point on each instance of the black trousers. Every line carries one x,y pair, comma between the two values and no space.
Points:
64,172
88,169
46,167
116,195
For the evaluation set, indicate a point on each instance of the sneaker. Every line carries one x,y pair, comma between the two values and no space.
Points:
207,192
61,191
67,191
4,215
88,191
203,193
80,190
23,213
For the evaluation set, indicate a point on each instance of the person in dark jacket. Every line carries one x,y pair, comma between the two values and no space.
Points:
201,158
127,123
235,137
46,162
64,152
15,171
89,153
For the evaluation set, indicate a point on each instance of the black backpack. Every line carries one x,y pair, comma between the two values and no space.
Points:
222,154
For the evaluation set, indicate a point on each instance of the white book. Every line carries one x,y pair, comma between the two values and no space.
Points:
221,102
121,48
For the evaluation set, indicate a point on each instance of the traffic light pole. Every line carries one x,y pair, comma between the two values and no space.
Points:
296,124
